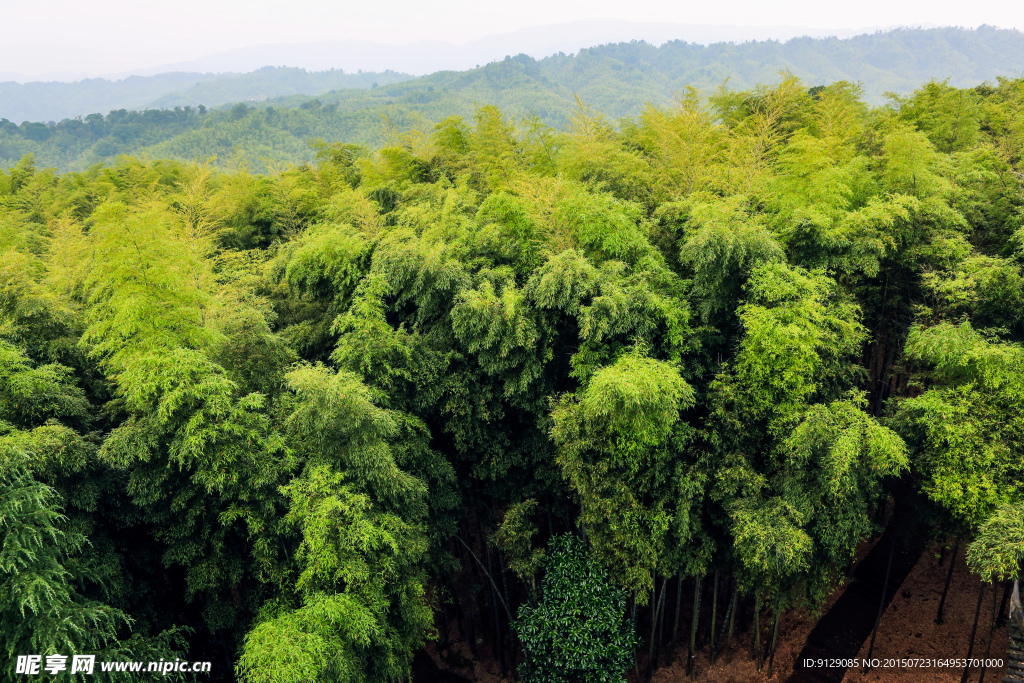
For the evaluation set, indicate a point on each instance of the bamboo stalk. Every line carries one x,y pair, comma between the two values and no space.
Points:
636,655
714,609
495,597
661,620
949,577
655,607
494,586
756,639
679,600
508,601
775,634
991,632
1002,603
721,635
732,622
974,632
881,604
692,650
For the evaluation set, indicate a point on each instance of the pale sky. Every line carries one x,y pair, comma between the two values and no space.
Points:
70,35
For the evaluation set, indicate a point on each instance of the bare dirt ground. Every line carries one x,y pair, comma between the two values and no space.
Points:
907,630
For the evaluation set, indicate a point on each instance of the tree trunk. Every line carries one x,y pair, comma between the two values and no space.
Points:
655,609
497,615
692,650
775,634
732,622
661,621
508,603
949,577
881,602
679,604
974,632
636,654
991,632
725,622
1002,604
756,636
467,623
714,610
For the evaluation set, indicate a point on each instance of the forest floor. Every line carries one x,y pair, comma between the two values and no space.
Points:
907,630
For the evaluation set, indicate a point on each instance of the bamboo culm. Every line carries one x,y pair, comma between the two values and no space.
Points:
495,597
775,634
656,606
692,650
508,601
991,631
949,577
1007,589
755,640
881,603
732,622
714,610
716,648
974,632
679,604
661,621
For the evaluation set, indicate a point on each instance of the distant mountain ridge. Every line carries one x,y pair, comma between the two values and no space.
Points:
617,79
56,101
353,54
895,60
620,79
428,56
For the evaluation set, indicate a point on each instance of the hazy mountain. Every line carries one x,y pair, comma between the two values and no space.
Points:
56,101
425,57
70,63
618,79
894,60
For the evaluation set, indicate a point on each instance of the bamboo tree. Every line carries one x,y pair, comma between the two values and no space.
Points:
732,621
991,631
974,632
755,639
714,610
691,652
777,614
945,587
881,601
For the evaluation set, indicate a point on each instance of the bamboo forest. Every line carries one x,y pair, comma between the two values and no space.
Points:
622,400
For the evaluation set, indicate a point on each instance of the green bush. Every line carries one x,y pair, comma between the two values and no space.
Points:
578,632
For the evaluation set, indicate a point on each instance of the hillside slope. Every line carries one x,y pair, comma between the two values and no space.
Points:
617,79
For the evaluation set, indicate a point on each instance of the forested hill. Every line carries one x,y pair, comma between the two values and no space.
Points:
616,79
55,101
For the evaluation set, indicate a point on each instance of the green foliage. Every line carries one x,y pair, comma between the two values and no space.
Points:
966,430
578,631
363,610
802,462
515,538
257,408
997,553
40,568
616,451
